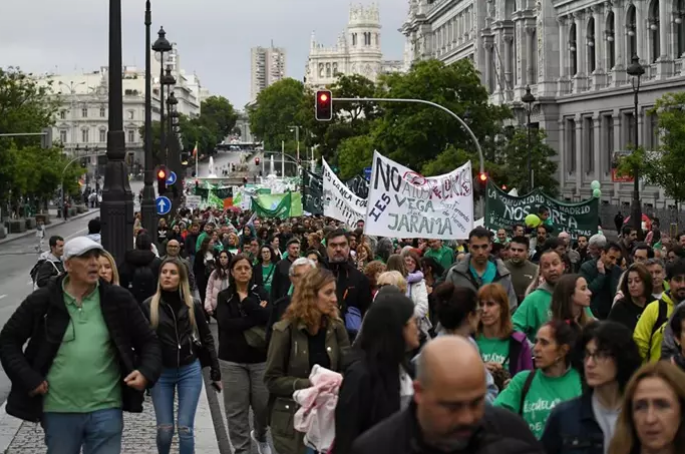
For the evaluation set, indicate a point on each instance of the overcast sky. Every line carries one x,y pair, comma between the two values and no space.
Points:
214,36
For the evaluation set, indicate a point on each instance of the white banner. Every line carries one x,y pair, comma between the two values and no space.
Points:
193,201
404,204
339,202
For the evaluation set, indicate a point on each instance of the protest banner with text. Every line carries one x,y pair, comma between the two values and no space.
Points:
339,202
504,211
405,204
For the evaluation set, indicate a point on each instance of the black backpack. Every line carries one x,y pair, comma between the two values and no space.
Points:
34,271
143,283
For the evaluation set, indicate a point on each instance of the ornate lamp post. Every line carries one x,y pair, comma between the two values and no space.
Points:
636,71
529,99
168,80
116,211
161,46
147,206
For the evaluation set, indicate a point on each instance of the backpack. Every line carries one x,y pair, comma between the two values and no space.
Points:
661,320
143,283
34,271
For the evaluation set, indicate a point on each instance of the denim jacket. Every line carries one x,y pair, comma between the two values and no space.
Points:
573,429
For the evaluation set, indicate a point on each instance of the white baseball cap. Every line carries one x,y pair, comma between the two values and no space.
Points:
79,246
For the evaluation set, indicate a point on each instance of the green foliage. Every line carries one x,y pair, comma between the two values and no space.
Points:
26,169
354,154
217,115
666,167
515,157
415,134
276,111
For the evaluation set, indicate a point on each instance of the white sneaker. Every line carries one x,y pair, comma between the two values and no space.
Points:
262,446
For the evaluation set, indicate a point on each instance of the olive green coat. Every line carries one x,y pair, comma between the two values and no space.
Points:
287,370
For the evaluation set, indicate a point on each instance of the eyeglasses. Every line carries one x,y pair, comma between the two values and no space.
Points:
597,356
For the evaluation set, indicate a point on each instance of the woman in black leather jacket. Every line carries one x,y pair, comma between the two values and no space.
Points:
184,333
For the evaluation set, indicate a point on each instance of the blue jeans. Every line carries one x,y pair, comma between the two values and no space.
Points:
99,432
188,381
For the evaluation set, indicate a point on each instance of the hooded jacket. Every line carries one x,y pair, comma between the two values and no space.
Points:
139,273
460,275
649,331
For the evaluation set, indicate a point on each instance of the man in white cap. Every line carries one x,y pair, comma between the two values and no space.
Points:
91,353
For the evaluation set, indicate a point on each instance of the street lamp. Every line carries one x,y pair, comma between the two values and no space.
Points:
147,205
529,99
161,46
296,129
169,80
116,210
636,71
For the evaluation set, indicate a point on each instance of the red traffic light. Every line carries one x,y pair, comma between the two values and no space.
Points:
324,107
161,174
256,161
504,187
483,177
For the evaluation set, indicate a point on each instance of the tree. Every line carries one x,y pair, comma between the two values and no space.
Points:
25,107
664,167
217,115
515,157
415,134
276,111
354,154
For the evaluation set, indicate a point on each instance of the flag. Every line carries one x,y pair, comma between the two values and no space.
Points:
195,150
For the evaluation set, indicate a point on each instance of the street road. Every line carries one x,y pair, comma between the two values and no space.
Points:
18,257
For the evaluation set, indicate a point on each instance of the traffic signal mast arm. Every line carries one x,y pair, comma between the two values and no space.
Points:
416,101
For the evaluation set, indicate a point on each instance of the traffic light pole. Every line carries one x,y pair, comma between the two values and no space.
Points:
429,103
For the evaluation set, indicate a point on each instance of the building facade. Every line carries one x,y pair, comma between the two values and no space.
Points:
358,51
267,67
573,54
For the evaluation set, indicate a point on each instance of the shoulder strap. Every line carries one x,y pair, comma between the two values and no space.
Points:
526,388
661,318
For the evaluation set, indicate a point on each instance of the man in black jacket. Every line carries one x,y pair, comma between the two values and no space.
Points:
449,413
52,265
352,287
280,285
91,353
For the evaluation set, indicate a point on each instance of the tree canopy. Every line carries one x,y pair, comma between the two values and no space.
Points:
276,111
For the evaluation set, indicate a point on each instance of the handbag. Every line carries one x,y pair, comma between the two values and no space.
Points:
256,337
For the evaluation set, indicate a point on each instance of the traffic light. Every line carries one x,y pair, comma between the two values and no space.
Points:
483,179
324,105
256,161
162,176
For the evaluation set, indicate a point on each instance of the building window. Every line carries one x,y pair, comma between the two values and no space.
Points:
680,27
628,130
573,49
84,112
631,25
103,113
571,145
589,145
131,114
103,136
63,115
84,136
608,142
591,51
653,133
328,70
354,39
655,30
131,136
63,136
611,41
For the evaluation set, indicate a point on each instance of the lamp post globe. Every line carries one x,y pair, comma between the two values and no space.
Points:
162,44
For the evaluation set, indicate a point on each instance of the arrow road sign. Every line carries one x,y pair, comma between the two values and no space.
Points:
163,205
171,179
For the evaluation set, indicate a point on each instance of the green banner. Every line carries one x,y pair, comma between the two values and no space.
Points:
313,193
280,206
504,211
225,192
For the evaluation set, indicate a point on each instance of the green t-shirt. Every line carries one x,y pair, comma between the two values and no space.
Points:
444,256
494,350
268,275
85,374
544,394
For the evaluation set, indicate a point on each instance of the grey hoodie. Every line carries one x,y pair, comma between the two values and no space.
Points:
669,348
460,275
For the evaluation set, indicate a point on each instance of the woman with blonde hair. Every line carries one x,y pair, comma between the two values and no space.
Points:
310,333
651,418
184,334
108,268
393,278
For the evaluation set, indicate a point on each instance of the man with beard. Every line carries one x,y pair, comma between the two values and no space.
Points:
448,413
602,276
534,310
352,287
522,270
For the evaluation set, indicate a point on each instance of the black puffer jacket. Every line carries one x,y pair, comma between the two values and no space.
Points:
42,319
139,273
176,333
